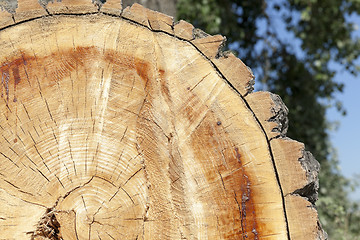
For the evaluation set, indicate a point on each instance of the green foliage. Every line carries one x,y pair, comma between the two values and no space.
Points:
291,46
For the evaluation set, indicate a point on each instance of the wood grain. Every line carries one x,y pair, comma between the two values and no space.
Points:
129,128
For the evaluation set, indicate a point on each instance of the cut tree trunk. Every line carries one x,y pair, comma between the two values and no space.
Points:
120,124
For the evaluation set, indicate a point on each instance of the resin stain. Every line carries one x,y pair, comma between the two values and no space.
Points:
213,147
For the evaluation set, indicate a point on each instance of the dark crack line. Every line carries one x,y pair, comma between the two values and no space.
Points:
132,176
42,174
240,212
75,227
59,181
8,158
202,79
48,108
71,156
72,190
222,180
83,200
110,235
128,195
27,113
121,186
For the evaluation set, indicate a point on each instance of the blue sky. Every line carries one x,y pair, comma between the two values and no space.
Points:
346,138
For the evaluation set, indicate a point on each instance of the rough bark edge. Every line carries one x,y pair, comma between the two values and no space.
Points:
297,168
112,7
232,69
311,168
271,112
279,115
153,20
300,209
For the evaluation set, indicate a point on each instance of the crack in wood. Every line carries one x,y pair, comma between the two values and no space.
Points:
48,227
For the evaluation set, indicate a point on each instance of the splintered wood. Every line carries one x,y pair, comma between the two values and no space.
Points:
129,127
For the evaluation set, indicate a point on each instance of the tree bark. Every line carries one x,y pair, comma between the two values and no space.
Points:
121,125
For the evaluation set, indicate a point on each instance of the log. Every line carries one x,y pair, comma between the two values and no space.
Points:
121,124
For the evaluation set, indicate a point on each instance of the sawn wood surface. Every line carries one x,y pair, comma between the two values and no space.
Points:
121,124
